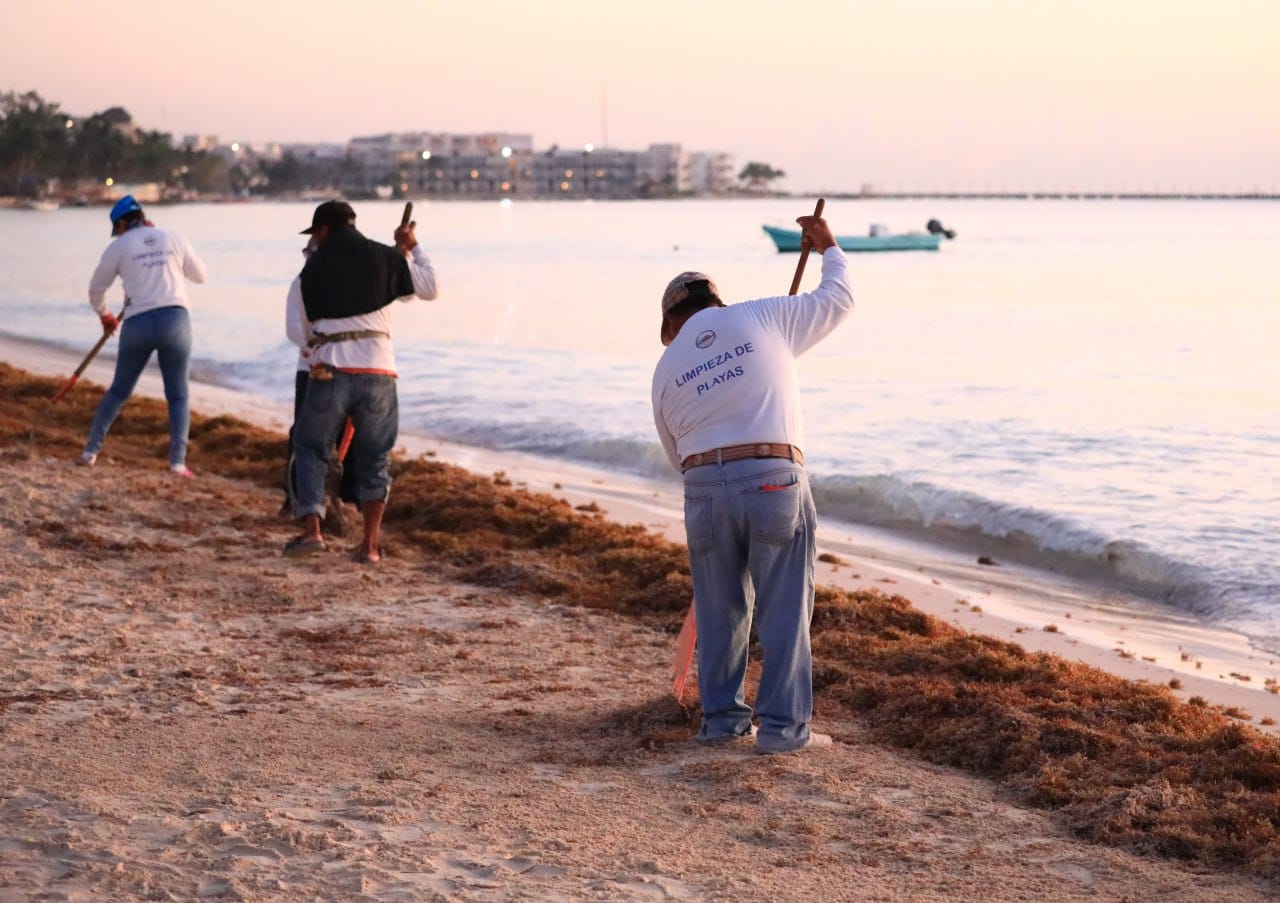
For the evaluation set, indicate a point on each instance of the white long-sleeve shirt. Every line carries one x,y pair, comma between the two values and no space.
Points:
370,355
729,377
151,263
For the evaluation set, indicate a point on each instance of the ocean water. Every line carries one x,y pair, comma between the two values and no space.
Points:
1092,386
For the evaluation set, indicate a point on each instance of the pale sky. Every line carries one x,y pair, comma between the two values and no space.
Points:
918,94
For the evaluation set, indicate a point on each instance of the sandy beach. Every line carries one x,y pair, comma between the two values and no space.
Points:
1133,638
187,715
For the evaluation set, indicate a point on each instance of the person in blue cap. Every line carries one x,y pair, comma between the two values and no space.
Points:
153,265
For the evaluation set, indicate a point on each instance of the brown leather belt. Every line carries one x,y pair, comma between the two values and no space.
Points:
322,338
742,452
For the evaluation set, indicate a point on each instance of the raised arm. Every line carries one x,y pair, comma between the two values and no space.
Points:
806,319
420,268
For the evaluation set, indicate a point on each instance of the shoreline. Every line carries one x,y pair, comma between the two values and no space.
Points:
1123,635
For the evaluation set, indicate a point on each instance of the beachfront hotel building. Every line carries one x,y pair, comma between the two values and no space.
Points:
712,172
504,164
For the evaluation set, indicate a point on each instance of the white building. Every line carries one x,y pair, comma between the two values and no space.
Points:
662,169
711,172
198,142
391,150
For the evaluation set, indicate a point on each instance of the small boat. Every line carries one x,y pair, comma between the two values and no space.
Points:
876,240
43,205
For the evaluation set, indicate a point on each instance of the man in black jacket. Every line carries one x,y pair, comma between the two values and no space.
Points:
347,287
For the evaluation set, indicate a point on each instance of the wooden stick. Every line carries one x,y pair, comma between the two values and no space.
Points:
93,352
804,251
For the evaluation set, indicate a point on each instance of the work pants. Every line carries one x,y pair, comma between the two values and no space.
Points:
751,528
369,399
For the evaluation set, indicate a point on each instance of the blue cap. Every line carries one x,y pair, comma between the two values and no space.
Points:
123,207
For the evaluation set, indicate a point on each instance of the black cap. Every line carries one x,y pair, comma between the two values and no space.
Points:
331,214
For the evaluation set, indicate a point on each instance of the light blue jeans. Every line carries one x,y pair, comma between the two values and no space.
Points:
751,526
370,400
167,332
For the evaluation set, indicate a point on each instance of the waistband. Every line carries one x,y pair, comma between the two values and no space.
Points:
129,311
742,452
320,338
324,372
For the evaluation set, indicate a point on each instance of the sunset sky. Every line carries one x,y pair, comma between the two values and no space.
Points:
948,94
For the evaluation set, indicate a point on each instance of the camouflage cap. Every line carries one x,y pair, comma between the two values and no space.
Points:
678,288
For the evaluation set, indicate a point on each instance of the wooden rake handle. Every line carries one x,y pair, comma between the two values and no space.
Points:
93,352
804,251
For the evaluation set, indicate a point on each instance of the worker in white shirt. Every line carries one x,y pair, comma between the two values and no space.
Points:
727,409
347,288
153,264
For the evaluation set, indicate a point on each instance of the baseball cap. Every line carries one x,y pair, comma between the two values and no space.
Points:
331,213
678,288
123,207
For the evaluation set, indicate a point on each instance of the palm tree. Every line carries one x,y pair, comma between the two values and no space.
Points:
33,142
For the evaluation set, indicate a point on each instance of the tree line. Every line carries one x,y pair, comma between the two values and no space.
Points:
44,150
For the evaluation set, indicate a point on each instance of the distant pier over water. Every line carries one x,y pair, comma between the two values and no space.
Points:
1259,195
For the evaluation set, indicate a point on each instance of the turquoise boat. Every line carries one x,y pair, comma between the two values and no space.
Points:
789,240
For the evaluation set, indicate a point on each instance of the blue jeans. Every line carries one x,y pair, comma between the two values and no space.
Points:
369,399
751,526
167,332
346,486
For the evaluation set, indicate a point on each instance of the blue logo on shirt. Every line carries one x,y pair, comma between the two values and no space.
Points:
705,339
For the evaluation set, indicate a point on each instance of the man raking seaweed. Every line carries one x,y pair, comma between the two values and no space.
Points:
347,287
727,409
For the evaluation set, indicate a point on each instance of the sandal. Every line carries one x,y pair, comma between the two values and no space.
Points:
300,546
